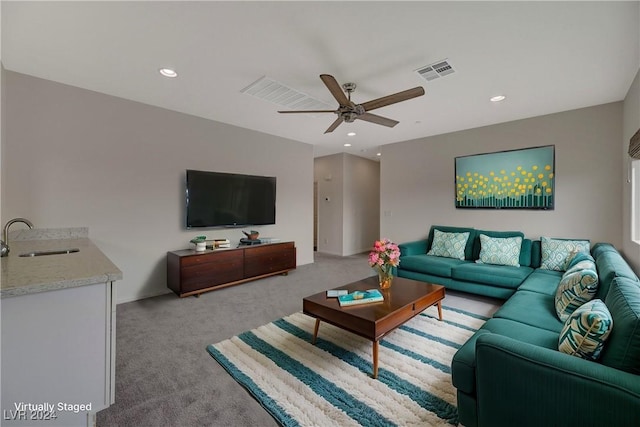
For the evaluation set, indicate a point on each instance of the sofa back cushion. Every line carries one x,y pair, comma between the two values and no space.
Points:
536,253
525,249
622,350
468,250
610,265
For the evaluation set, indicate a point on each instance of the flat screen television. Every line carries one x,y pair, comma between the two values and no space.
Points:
216,199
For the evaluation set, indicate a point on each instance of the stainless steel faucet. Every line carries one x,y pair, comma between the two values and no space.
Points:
5,233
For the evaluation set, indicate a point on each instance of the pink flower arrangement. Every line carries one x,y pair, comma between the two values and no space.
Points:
384,256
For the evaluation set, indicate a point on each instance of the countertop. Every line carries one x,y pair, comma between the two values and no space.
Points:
27,275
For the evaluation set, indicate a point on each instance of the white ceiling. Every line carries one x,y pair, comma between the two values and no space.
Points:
544,56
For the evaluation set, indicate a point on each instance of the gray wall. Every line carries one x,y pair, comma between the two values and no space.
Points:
349,221
417,178
631,124
361,205
329,174
72,157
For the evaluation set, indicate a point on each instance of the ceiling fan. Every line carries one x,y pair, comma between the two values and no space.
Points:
348,111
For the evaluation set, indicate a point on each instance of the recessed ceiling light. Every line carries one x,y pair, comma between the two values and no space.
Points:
168,72
497,98
347,145
378,154
351,134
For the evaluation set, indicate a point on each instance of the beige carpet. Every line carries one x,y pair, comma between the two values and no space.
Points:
164,376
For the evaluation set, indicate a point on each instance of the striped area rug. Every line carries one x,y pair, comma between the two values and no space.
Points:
330,383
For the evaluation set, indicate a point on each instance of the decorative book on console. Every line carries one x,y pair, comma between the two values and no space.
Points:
360,297
218,244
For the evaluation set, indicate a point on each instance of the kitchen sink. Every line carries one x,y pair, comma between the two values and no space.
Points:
51,252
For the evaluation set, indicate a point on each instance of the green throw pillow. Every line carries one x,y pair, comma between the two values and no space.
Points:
556,251
450,245
500,250
575,257
586,330
577,286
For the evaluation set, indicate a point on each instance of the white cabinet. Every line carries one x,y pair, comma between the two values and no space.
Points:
58,349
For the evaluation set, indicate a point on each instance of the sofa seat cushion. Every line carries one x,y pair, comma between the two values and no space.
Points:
495,275
622,350
532,308
428,264
464,361
542,281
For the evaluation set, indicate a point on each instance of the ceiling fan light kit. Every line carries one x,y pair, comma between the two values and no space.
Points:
348,111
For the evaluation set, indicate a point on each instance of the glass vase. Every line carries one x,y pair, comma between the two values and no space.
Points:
385,278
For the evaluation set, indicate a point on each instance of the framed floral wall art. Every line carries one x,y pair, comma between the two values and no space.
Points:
514,179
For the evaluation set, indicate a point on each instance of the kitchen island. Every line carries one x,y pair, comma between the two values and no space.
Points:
58,328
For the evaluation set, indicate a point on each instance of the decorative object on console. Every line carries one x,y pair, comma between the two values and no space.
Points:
514,179
218,244
251,239
200,242
251,235
383,257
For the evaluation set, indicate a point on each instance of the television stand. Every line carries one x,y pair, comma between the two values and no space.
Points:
192,273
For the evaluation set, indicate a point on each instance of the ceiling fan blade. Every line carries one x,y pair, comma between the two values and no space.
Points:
392,99
334,125
379,120
335,89
308,111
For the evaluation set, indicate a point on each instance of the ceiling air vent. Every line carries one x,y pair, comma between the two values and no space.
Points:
273,91
436,70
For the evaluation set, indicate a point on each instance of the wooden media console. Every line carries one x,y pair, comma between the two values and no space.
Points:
191,273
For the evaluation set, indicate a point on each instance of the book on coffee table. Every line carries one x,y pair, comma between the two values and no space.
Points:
360,297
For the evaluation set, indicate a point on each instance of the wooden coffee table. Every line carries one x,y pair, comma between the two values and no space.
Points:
405,299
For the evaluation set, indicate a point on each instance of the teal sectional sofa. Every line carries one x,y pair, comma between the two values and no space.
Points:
511,373
466,275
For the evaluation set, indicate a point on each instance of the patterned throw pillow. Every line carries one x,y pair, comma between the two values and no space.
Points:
586,330
556,251
500,250
450,245
577,286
